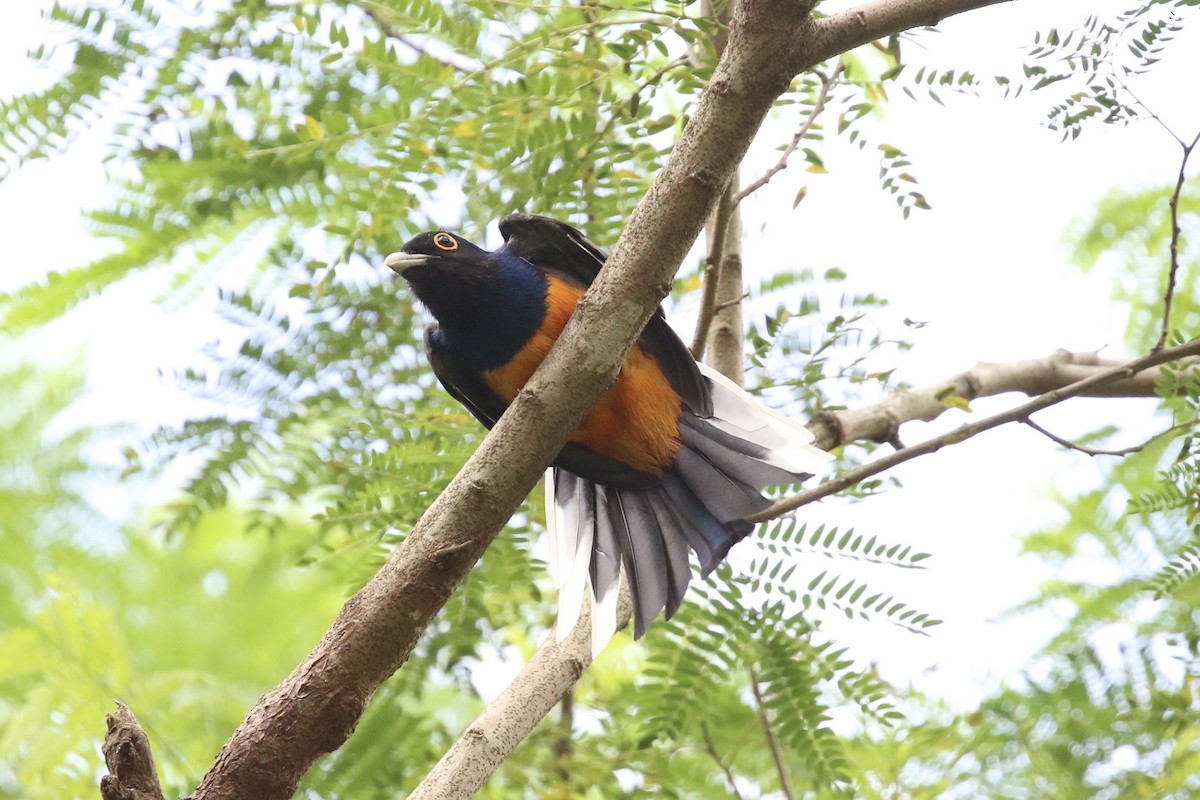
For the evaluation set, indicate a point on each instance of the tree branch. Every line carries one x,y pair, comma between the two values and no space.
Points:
711,747
380,14
1124,451
316,708
516,711
551,672
1173,269
880,422
1089,386
785,780
725,332
718,230
485,746
827,82
131,771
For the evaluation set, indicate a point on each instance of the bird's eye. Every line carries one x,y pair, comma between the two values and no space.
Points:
444,241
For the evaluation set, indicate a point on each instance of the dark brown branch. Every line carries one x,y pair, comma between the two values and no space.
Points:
1173,269
785,780
1124,451
1173,202
131,772
711,747
964,432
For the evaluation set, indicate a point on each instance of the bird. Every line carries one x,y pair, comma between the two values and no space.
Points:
669,460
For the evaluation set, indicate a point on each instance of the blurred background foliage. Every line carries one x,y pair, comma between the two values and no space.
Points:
278,151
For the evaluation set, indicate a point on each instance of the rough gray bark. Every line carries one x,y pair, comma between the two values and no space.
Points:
317,706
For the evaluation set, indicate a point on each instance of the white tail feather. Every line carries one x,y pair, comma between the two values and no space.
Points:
604,618
572,544
552,525
738,413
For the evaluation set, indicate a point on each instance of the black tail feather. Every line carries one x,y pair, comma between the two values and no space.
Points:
676,545
606,549
707,535
643,552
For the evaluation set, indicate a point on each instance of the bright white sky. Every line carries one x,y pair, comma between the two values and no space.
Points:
984,268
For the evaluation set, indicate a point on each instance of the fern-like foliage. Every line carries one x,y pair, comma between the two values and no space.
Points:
1096,61
760,632
1183,568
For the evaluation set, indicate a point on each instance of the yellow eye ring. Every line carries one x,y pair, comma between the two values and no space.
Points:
444,241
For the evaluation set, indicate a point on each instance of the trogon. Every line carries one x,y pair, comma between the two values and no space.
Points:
670,459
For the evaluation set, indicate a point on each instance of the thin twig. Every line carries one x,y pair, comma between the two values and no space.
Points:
785,781
711,747
1137,448
389,29
827,82
964,432
729,303
1173,272
1157,119
1173,269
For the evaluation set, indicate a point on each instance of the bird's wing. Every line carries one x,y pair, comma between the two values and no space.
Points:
550,244
557,247
464,384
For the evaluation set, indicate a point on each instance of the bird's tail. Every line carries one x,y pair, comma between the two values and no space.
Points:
702,504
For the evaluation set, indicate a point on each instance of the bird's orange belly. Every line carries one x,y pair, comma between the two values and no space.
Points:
635,422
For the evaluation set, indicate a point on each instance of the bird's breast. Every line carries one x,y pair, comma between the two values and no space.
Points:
635,422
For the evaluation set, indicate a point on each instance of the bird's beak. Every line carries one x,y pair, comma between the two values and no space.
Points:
399,262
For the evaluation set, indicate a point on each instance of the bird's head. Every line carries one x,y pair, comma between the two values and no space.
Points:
433,253
476,295
443,269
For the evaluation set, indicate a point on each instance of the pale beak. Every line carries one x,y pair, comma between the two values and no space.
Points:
398,262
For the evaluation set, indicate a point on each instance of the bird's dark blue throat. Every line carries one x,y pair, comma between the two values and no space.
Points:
487,305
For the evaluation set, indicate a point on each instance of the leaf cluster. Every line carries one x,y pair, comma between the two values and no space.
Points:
1098,60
